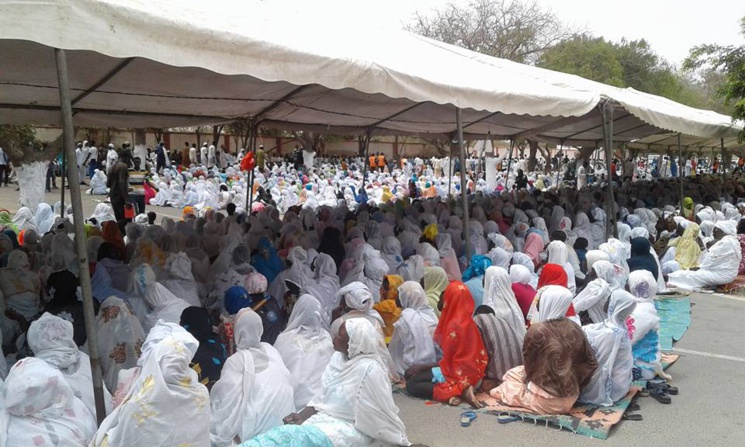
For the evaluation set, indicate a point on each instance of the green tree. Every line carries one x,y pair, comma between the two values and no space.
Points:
590,57
729,60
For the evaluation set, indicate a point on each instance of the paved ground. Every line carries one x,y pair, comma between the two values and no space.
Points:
708,411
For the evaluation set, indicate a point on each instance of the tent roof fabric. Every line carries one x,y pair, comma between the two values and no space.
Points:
166,64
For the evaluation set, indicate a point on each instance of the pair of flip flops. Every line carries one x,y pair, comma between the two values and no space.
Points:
467,417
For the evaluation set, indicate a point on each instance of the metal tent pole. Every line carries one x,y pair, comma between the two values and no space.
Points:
62,178
680,172
450,170
463,186
251,148
366,161
509,165
610,217
724,166
80,243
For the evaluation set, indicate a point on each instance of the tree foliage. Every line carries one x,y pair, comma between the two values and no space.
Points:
22,146
510,29
624,64
730,61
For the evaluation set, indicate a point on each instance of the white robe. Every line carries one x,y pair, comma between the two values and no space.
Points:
719,266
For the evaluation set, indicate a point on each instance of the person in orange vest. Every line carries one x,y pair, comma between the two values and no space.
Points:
381,162
373,162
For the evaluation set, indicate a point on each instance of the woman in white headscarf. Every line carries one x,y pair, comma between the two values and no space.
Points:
558,253
181,280
375,269
499,296
719,265
42,409
324,286
306,348
617,252
20,289
448,259
166,404
429,253
476,236
550,303
412,342
598,227
391,253
611,344
255,389
44,218
527,262
233,275
298,273
583,228
594,296
336,417
23,219
50,339
161,303
355,301
540,224
645,328
120,338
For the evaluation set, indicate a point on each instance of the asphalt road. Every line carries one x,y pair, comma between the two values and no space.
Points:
709,411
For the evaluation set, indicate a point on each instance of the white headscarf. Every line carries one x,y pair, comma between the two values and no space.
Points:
168,392
370,410
42,408
306,348
552,302
51,339
499,296
254,392
120,335
612,347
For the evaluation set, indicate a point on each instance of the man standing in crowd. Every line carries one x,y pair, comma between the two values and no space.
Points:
193,158
81,156
4,167
118,184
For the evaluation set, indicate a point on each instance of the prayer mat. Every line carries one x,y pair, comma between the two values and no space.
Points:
736,287
675,318
589,420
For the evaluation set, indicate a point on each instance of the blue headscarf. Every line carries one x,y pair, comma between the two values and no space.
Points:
478,267
236,298
270,266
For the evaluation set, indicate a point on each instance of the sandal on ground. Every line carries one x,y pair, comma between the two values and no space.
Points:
466,418
633,407
632,417
507,418
660,395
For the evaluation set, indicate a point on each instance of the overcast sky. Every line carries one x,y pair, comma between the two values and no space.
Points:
671,27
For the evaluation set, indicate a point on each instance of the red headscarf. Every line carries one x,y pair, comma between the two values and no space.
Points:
555,275
464,357
552,275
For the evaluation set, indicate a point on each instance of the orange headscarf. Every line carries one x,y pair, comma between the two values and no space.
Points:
387,306
464,357
112,235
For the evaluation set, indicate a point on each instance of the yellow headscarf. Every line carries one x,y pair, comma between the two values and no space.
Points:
430,232
687,250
